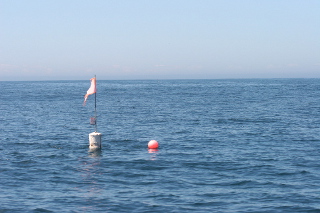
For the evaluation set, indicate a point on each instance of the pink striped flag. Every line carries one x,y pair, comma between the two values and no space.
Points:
91,90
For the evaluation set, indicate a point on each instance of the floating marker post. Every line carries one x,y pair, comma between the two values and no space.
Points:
94,137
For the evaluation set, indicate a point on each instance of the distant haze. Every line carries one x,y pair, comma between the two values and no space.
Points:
165,39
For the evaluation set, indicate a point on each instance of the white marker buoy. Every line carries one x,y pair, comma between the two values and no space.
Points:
94,137
95,140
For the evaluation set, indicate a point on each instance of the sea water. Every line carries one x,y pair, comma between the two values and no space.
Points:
236,145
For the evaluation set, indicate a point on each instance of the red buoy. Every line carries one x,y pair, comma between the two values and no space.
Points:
153,144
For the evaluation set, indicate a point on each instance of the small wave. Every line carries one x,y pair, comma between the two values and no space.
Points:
39,210
292,173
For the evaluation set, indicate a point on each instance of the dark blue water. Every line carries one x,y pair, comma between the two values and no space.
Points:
225,146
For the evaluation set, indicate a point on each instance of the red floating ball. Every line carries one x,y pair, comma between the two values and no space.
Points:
153,144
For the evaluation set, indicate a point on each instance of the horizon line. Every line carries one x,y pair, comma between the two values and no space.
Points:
164,79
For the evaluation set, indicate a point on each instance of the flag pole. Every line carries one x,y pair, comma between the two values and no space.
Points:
95,106
95,137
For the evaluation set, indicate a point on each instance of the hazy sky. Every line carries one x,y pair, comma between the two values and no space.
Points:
159,39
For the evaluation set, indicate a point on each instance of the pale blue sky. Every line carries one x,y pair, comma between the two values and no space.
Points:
159,39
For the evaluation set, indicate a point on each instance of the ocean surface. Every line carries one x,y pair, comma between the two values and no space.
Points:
247,145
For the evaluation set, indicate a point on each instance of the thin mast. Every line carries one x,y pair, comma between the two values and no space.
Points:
95,105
